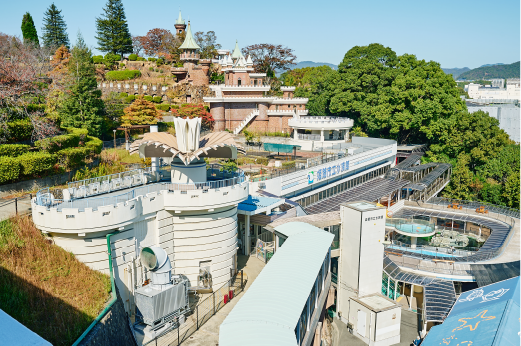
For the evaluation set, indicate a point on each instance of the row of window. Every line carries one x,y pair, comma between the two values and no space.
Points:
307,201
303,324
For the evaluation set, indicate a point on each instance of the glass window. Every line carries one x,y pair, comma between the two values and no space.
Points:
312,300
320,281
303,323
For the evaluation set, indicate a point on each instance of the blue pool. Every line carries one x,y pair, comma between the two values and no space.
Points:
420,251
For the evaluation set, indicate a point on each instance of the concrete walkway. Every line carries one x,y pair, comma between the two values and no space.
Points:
208,334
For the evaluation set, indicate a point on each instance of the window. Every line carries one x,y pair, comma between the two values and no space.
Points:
255,82
239,81
312,299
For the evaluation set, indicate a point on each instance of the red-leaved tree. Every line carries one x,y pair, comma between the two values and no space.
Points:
195,111
269,58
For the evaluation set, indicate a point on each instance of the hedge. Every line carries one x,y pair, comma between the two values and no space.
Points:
115,57
164,108
157,99
132,57
13,150
148,98
97,59
130,98
122,75
74,157
36,163
18,131
152,59
141,59
94,144
72,139
123,95
9,169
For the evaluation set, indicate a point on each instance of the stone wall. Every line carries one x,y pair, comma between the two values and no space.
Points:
113,329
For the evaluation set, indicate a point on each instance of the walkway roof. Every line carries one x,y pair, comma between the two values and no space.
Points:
268,312
13,332
254,205
484,316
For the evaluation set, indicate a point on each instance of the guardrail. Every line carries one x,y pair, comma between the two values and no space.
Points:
409,225
489,207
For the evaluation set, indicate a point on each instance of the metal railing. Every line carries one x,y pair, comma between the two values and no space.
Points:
429,251
308,137
411,225
202,312
489,207
45,197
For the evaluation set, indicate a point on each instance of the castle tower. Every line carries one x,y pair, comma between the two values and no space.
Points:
180,24
189,48
236,54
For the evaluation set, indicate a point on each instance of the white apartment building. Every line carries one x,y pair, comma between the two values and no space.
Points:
511,92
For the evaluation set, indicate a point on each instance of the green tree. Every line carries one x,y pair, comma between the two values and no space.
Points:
29,30
208,44
313,85
112,29
511,190
54,29
460,186
82,106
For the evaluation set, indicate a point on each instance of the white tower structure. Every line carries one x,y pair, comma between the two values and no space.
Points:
361,251
192,214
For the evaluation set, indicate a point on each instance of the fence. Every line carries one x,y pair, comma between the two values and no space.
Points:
15,206
202,312
120,142
492,210
415,226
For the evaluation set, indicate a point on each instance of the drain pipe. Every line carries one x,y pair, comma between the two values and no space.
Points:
112,301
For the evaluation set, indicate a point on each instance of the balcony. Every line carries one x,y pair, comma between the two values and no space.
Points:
319,123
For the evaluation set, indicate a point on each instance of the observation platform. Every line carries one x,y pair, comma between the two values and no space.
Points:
411,227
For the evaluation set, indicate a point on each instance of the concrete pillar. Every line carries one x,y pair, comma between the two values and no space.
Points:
322,135
155,160
395,289
247,235
295,134
413,242
411,296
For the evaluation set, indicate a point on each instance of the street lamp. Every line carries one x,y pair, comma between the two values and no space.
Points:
114,138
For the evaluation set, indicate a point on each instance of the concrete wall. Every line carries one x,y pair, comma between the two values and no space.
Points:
508,116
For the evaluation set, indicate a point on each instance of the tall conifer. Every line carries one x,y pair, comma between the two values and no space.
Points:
54,29
112,29
29,30
83,106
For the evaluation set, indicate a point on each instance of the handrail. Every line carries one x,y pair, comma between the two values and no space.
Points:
394,222
476,204
111,302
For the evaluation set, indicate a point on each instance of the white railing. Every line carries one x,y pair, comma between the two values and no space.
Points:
324,120
245,122
244,86
308,137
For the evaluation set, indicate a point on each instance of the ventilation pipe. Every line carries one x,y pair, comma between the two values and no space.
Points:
156,260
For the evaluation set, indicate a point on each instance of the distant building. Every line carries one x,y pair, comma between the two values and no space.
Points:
511,92
508,114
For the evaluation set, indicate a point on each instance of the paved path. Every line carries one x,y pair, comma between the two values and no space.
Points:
208,334
8,208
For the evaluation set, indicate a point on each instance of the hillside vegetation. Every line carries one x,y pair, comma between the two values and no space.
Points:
496,71
44,287
455,72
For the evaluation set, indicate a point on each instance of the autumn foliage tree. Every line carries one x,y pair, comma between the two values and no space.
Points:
190,111
269,58
160,42
140,112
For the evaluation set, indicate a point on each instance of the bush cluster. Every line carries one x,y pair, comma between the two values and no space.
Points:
132,57
141,59
18,131
152,59
122,75
36,163
75,138
164,108
157,99
148,98
13,150
130,98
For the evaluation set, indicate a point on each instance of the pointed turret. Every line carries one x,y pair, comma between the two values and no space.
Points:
249,62
237,52
189,43
180,24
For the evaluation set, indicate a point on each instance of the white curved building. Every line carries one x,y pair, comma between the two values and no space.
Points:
323,129
193,219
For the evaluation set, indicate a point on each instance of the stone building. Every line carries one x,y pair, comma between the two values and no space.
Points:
243,99
195,71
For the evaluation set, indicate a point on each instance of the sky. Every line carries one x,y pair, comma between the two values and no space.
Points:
459,33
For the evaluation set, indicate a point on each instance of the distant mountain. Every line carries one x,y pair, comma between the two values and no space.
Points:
499,63
303,64
494,71
455,72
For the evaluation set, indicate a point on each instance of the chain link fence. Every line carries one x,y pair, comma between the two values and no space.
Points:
202,312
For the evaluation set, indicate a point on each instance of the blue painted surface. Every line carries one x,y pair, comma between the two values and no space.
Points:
253,203
484,316
414,228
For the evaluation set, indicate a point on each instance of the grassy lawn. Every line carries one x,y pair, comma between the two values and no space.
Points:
45,287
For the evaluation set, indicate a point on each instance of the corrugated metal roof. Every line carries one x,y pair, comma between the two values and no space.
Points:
258,204
268,312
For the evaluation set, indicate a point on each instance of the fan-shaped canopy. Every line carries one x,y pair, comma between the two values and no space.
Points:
163,144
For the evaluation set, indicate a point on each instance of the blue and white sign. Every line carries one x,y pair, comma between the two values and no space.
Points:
328,172
311,177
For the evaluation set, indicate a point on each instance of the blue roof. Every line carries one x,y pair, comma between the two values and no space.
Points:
257,204
268,312
484,316
13,332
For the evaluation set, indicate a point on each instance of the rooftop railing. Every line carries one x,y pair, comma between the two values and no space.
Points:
411,225
218,178
323,120
489,209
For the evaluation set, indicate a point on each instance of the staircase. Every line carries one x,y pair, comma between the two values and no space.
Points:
245,122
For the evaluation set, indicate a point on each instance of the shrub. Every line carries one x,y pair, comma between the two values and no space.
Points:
148,98
152,59
72,157
160,62
9,169
35,108
174,107
36,163
130,98
54,144
164,108
132,57
18,130
97,59
122,95
95,145
141,59
151,69
121,64
157,99
13,150
114,57
122,75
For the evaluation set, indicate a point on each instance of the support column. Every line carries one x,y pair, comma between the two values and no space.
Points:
247,235
322,135
155,160
411,296
395,289
413,242
295,134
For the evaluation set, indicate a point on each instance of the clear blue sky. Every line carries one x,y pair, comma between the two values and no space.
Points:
455,33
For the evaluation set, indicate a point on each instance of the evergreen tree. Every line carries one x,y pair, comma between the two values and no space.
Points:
82,106
54,29
29,30
140,112
112,29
